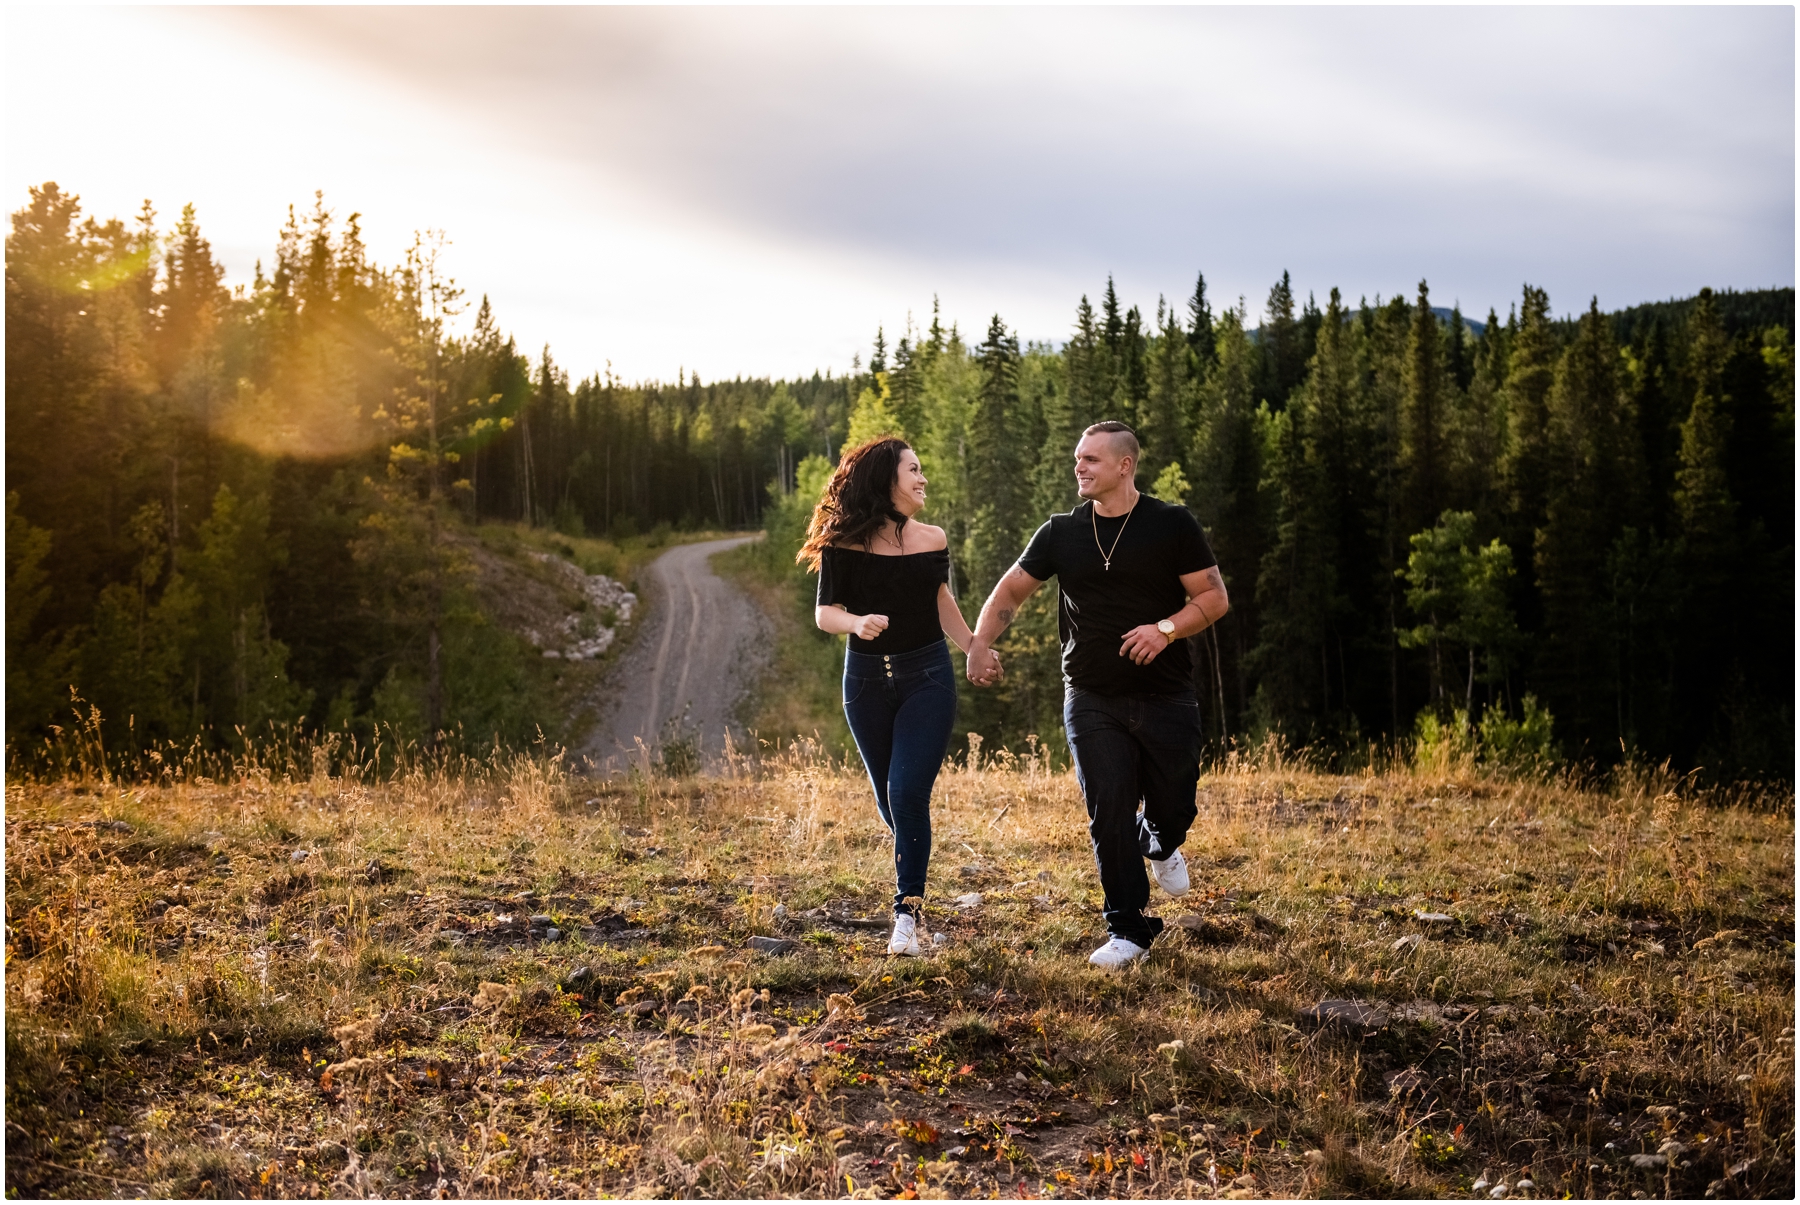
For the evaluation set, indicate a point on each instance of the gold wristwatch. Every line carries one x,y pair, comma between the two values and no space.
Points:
1167,628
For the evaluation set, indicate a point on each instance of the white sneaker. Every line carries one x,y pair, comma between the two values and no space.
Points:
905,940
1171,873
1116,953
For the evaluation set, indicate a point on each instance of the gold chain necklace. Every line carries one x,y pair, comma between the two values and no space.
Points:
1106,554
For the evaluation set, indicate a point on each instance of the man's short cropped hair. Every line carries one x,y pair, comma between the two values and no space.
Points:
1124,436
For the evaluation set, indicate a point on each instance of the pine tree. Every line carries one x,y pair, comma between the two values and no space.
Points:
1132,383
1109,360
905,389
1703,500
996,460
1316,669
1458,360
1593,488
1530,371
1090,387
1477,431
1200,327
1163,419
1296,590
414,571
1651,379
1227,499
1283,346
1066,414
1423,453
1112,331
242,667
953,390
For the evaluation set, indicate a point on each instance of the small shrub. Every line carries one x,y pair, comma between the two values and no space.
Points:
1524,745
1443,746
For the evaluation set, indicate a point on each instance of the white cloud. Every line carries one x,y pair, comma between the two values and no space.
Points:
751,190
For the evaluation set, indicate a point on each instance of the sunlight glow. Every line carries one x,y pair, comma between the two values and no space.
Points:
753,191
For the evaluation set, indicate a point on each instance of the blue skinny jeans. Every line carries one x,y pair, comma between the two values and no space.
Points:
901,708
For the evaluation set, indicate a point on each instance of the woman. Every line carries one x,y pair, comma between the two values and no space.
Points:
884,582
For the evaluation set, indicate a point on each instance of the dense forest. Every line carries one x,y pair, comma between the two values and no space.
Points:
229,507
1569,537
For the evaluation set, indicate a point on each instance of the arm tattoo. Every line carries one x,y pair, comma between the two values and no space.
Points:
1213,579
1005,616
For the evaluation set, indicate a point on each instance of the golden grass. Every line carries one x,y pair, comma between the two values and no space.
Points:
191,1011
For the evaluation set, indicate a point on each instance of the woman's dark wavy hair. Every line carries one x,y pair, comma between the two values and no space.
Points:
858,501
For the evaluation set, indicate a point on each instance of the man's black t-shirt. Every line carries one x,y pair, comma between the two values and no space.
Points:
1158,544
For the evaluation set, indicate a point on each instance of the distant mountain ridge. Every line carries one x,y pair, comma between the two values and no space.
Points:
1444,315
1737,311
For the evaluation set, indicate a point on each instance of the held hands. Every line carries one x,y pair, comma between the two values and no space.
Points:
984,666
1143,643
868,627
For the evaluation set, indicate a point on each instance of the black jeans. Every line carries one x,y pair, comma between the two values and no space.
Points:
1131,750
901,708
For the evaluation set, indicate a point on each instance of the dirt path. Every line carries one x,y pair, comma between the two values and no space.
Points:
700,647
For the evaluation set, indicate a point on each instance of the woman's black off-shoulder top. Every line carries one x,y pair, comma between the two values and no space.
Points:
903,588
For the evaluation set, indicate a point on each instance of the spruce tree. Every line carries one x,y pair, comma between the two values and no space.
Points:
1458,360
1283,345
905,388
1132,383
1109,361
1227,499
1297,588
1162,419
1066,413
1703,500
1113,330
1591,446
1530,371
1200,327
1423,451
1090,386
1477,431
996,460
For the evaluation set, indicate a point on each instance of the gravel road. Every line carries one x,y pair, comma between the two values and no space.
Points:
700,647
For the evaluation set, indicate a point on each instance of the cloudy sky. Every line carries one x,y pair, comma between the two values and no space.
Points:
750,191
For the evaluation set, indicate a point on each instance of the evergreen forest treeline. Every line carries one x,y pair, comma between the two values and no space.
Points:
1560,537
228,508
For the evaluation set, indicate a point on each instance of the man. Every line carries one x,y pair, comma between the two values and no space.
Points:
1137,577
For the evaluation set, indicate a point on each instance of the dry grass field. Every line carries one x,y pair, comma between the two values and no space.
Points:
497,980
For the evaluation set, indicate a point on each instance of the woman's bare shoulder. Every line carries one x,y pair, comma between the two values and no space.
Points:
931,538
